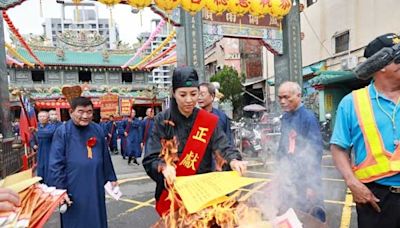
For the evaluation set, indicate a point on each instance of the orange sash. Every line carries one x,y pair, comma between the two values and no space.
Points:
192,154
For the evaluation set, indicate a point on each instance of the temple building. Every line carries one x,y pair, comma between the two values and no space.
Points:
78,62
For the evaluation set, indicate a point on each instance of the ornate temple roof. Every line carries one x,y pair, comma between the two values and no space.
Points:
61,57
76,48
5,4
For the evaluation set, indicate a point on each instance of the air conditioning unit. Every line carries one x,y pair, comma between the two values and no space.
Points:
349,62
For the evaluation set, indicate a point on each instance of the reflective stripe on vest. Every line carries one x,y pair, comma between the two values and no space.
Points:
378,163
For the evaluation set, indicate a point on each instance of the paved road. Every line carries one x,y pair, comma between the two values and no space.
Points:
136,208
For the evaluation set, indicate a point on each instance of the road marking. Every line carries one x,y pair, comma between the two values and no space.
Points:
136,202
122,181
332,179
338,202
255,164
144,204
139,205
256,172
346,212
266,173
326,201
326,156
329,166
251,192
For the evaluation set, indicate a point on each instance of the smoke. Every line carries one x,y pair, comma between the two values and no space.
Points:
296,183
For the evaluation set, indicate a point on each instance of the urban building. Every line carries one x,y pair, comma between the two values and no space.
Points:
335,34
160,76
249,58
85,18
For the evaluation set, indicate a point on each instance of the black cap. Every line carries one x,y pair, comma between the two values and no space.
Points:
387,40
184,77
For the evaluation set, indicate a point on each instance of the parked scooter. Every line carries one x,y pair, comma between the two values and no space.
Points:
326,130
254,139
251,142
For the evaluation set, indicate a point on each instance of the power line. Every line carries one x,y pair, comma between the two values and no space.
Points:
316,35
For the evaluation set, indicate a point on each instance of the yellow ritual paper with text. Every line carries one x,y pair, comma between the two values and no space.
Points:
200,191
20,181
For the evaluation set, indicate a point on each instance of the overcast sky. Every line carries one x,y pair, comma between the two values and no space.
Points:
26,18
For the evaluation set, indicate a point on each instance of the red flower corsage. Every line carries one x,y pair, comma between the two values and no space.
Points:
89,145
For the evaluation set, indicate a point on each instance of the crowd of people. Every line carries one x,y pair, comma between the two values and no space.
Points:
76,155
128,136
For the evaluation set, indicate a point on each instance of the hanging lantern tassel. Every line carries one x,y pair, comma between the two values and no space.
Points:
168,23
111,17
77,13
41,8
89,152
141,18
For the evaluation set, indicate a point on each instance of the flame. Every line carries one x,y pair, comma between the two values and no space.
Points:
230,213
226,214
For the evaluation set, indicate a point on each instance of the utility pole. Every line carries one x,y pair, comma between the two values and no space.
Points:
189,42
288,66
4,94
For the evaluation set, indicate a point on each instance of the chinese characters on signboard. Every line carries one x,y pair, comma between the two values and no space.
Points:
109,105
125,106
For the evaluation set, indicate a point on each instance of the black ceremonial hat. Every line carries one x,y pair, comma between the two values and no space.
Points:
184,77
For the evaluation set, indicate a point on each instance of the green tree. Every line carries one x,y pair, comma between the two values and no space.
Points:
231,87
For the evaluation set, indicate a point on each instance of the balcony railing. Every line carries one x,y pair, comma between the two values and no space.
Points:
10,156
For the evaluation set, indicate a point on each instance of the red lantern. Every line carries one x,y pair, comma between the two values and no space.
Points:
167,5
259,8
140,4
217,6
239,7
193,6
279,8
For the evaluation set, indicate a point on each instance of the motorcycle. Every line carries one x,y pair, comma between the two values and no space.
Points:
326,130
246,137
251,142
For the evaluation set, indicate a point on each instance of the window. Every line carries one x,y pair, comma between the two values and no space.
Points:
310,2
127,77
342,42
37,76
85,76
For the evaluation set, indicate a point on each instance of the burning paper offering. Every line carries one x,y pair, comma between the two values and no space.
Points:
19,181
38,201
200,191
287,220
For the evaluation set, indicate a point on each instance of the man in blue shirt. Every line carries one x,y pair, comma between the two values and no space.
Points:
206,99
80,163
299,155
44,134
147,128
377,198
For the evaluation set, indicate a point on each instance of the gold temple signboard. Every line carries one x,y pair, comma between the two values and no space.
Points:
109,105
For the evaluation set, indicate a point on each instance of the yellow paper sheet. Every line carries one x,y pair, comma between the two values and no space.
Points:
198,191
19,181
